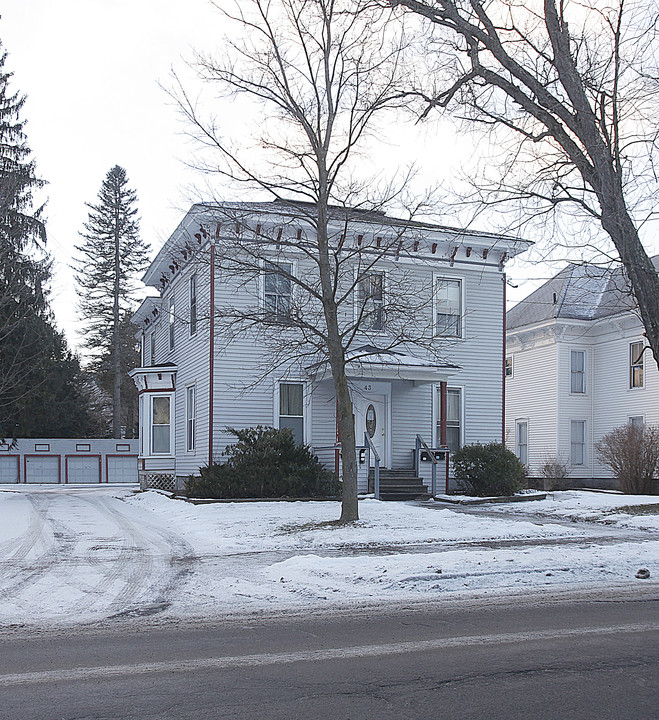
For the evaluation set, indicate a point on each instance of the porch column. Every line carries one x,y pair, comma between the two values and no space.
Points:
442,412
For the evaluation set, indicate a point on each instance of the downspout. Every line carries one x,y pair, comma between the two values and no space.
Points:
443,403
503,369
211,353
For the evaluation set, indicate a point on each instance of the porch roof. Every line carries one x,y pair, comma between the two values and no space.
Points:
372,363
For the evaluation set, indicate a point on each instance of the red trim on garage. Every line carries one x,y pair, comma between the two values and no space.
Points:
18,464
33,455
118,455
79,455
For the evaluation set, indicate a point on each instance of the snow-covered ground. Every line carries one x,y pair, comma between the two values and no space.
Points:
85,554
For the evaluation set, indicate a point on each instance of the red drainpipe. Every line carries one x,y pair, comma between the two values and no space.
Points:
503,369
211,357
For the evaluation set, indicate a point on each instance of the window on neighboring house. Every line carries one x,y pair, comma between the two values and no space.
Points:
522,441
509,366
448,307
453,418
577,371
153,347
278,291
636,365
578,442
637,420
171,324
291,409
193,305
160,425
190,416
143,349
370,296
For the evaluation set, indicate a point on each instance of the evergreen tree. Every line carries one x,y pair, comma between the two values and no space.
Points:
111,255
41,387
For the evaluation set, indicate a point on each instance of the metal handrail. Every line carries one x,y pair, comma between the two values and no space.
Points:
421,443
368,443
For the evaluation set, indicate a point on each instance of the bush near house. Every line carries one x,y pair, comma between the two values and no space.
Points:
485,470
265,463
632,452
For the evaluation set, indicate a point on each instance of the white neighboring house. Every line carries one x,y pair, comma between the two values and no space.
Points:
193,382
577,366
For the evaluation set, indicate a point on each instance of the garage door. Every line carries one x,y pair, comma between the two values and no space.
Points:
42,468
83,469
122,469
8,469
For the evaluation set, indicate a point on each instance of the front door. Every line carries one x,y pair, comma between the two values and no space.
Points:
371,418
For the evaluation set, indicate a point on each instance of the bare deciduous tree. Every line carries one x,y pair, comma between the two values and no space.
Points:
576,84
319,74
632,452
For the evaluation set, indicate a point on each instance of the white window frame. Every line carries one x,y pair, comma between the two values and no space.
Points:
192,298
305,401
152,343
636,420
506,365
268,269
172,333
152,397
358,299
435,304
633,365
584,443
518,444
190,418
438,411
577,374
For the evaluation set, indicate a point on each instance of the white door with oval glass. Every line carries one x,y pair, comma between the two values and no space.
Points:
371,418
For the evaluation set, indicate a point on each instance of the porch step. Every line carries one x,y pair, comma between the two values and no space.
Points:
398,485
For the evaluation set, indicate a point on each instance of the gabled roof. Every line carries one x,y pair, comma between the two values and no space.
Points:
578,292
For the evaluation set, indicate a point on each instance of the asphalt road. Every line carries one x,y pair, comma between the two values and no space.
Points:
576,660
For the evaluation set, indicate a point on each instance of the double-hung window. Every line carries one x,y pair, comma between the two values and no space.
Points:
190,417
278,291
448,307
453,419
193,305
291,409
578,442
578,371
522,441
161,425
636,365
509,366
370,297
171,324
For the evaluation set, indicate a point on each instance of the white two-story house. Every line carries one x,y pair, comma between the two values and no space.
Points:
577,366
437,374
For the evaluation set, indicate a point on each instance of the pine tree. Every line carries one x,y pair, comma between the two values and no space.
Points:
41,386
111,256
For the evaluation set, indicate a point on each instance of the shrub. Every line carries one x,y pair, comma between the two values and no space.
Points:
489,469
264,463
632,452
554,470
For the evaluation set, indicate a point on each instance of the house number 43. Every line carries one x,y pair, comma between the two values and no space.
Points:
368,387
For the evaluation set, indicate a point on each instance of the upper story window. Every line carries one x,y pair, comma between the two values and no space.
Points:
636,365
278,290
448,307
193,305
637,420
578,371
509,366
171,324
152,343
291,409
370,298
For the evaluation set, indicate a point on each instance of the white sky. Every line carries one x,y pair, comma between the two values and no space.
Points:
91,70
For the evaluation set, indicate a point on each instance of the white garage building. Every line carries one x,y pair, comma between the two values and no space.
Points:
60,461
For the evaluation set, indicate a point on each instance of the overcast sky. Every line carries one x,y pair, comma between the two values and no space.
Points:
92,71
